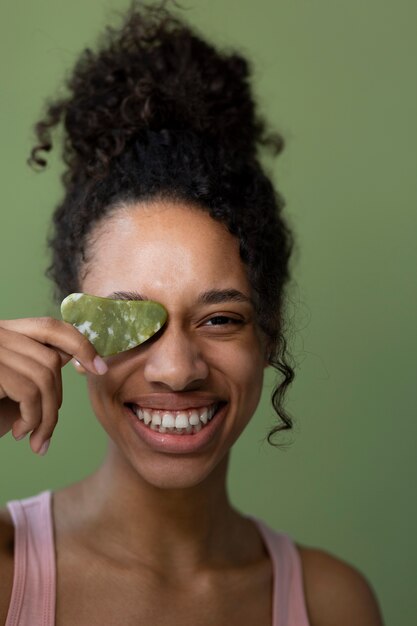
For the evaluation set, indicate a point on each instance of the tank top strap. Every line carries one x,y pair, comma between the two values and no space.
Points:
288,600
34,579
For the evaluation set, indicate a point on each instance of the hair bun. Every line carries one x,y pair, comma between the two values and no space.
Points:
154,72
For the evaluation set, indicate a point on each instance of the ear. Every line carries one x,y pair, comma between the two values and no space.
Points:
78,367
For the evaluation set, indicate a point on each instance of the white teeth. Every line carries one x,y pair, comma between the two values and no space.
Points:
168,420
179,422
147,417
194,418
156,419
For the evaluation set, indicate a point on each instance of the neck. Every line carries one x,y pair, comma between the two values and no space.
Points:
179,528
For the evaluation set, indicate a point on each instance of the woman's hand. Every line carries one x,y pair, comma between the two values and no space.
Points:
32,354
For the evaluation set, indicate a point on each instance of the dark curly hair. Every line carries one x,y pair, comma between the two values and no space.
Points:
159,113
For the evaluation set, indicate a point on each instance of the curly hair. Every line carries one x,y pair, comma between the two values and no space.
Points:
157,112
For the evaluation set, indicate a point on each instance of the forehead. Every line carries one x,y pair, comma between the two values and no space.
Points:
162,246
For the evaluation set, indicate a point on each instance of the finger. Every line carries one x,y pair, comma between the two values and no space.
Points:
44,380
45,356
9,414
61,335
23,391
39,383
50,407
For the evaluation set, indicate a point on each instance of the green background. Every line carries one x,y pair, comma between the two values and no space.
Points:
338,79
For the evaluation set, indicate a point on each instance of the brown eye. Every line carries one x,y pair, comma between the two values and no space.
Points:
222,320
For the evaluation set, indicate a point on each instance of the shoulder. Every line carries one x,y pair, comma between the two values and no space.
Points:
6,561
336,592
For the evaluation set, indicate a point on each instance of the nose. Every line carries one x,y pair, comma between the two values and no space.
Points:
175,361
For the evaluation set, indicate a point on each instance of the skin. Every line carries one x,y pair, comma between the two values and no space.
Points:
191,355
158,521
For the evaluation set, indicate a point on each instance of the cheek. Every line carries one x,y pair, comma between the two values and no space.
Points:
251,384
239,364
242,364
102,390
245,374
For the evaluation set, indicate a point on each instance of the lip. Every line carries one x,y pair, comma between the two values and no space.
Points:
173,402
179,444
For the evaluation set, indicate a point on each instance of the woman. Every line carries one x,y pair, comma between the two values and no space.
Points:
165,200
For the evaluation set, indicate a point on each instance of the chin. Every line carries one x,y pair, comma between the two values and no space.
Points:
175,473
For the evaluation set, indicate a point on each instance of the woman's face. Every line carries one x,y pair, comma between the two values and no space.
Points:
209,356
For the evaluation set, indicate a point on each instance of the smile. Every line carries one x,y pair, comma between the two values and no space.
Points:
186,421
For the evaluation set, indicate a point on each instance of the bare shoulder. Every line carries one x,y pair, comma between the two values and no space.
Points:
336,592
6,561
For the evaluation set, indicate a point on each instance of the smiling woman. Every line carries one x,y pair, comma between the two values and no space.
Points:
164,196
199,372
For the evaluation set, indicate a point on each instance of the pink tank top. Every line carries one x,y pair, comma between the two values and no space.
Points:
34,580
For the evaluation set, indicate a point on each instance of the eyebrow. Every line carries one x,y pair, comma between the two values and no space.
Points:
214,296
217,296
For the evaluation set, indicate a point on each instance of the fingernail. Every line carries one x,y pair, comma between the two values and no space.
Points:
20,437
100,365
44,448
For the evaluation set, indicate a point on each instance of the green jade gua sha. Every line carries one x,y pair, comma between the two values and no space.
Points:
113,326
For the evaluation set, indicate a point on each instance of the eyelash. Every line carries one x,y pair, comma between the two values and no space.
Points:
224,317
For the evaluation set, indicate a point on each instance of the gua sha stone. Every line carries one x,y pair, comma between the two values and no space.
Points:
113,326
